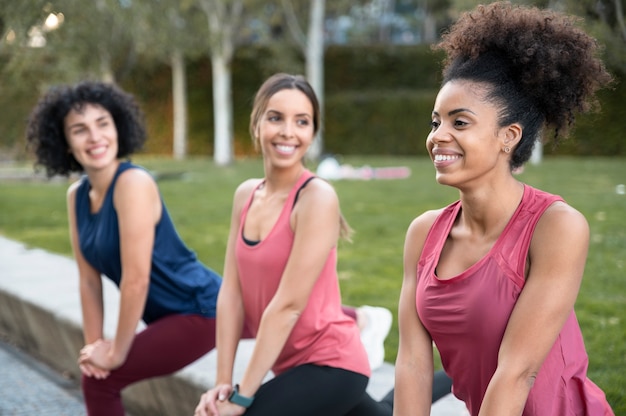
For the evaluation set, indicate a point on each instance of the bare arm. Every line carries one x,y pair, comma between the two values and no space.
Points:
230,311
230,315
414,364
558,252
90,281
138,205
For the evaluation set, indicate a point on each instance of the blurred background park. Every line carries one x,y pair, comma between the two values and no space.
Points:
194,65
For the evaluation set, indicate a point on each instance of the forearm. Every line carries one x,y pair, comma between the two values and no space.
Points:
413,386
133,295
276,326
92,312
506,394
230,318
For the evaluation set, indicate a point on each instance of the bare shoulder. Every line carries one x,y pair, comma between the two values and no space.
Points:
561,224
244,190
70,196
133,178
562,219
419,227
319,191
73,188
136,189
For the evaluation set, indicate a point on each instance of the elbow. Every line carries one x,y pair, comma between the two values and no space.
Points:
291,311
528,378
525,374
523,377
288,312
138,282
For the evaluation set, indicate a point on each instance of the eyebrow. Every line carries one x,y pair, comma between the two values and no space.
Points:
82,123
458,110
297,115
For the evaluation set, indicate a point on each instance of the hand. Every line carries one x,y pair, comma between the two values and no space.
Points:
98,355
92,371
227,408
214,398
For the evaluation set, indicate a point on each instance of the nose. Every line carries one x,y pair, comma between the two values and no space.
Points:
288,129
92,134
439,135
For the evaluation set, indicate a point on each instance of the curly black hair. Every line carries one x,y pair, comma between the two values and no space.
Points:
45,131
540,67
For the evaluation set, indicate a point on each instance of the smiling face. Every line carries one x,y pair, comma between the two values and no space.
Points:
465,141
91,136
285,129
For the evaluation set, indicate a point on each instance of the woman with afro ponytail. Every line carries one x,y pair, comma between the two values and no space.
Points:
492,278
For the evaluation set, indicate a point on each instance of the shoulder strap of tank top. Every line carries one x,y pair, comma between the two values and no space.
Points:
305,183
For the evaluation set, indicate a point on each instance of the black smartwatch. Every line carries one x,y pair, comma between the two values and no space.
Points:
237,398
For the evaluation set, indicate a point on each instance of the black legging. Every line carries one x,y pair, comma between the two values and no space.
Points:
315,390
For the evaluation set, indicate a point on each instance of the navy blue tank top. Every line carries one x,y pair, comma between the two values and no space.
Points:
179,282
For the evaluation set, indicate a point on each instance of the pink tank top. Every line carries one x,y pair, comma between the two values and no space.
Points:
467,315
323,335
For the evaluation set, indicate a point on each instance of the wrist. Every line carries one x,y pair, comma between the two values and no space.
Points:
238,399
116,357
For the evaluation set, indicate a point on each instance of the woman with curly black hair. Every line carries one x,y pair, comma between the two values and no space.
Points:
492,279
119,227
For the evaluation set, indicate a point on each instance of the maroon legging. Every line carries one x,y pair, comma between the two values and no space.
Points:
162,348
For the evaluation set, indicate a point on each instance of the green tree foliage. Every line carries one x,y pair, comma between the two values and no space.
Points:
605,20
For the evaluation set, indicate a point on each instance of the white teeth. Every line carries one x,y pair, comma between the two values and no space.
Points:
285,149
441,158
98,150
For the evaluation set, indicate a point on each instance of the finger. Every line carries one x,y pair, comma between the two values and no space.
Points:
101,375
201,408
85,370
212,405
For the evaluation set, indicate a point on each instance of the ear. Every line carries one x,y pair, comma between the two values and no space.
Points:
512,135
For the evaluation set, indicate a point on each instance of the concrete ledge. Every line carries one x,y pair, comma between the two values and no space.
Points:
40,311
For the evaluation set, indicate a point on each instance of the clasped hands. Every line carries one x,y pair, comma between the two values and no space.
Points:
98,359
215,403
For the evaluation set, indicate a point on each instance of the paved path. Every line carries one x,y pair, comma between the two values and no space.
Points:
40,305
28,387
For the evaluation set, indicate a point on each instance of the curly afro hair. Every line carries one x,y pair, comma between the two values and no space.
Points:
540,67
45,131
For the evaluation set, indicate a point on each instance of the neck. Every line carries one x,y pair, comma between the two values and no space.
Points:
486,210
282,180
100,179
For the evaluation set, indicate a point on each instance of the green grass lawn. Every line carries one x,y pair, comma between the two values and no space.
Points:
199,194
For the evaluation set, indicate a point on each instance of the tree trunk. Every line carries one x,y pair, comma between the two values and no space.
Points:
619,14
223,18
430,28
537,156
222,109
179,93
315,66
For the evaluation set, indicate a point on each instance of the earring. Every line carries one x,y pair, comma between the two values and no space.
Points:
507,149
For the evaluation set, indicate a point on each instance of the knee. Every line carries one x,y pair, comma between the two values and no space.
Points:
93,387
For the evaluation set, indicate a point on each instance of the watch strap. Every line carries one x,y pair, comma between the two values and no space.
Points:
238,399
